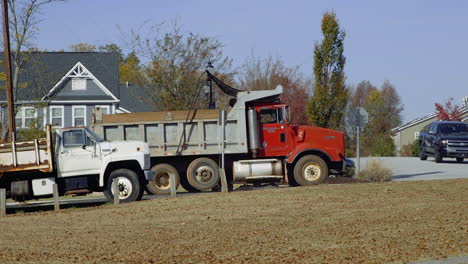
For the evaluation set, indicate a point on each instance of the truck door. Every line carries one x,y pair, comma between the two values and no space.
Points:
78,155
273,131
431,138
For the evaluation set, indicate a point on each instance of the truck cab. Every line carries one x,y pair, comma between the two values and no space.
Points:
83,159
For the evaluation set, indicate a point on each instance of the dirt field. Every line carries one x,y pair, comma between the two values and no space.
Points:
335,223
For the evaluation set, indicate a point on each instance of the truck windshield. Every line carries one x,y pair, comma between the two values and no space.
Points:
271,116
454,128
93,135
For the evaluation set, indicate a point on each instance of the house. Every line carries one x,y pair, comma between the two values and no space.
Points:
409,132
63,88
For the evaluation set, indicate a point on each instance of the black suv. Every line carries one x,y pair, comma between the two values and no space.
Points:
444,139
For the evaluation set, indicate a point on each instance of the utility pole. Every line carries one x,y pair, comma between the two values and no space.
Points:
9,84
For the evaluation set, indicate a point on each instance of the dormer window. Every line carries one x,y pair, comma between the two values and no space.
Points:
79,84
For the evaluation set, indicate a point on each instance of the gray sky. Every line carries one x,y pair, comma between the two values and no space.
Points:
419,46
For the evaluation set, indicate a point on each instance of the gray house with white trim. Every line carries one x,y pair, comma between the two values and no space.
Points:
63,88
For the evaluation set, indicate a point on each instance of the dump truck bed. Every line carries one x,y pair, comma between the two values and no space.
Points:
27,155
172,133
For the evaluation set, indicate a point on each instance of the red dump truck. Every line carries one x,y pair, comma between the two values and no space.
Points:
259,145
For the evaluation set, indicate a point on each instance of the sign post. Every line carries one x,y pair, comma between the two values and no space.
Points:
362,117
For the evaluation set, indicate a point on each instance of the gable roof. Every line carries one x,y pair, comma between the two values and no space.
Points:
79,70
43,70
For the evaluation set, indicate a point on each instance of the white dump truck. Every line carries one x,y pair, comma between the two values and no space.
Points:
78,161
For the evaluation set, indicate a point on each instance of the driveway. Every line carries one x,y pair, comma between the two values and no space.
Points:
414,169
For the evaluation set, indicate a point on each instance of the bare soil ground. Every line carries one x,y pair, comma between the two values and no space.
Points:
332,223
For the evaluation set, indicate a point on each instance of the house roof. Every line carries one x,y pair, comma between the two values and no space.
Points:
463,110
43,70
134,99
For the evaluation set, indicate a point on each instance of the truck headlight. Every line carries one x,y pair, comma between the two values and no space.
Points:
443,142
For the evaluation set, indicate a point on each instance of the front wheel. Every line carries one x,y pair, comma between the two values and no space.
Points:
460,160
310,170
129,186
422,153
437,156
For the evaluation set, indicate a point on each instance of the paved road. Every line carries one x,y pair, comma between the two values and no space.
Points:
413,169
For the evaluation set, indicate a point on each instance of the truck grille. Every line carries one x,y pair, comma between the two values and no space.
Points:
457,147
457,143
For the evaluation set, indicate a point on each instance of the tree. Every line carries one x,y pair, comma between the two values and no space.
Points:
258,74
24,20
130,69
326,106
173,77
83,47
358,97
448,112
384,108
112,47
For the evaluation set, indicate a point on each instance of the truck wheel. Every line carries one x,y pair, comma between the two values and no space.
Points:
437,156
422,153
162,183
310,170
130,188
460,160
203,174
184,182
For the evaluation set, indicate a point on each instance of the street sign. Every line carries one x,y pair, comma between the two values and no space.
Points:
362,116
211,105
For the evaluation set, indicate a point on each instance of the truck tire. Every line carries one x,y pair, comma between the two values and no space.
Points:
129,186
161,183
203,174
184,182
437,156
310,170
460,160
422,153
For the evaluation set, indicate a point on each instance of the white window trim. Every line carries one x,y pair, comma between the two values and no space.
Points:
73,113
416,135
63,114
106,107
44,117
23,115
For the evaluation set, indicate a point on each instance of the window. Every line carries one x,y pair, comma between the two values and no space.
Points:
271,116
79,115
416,135
104,109
25,117
56,116
73,139
79,84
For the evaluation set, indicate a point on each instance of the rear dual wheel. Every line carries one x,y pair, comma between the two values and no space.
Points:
161,183
203,174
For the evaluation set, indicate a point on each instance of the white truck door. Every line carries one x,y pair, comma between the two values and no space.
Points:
79,154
